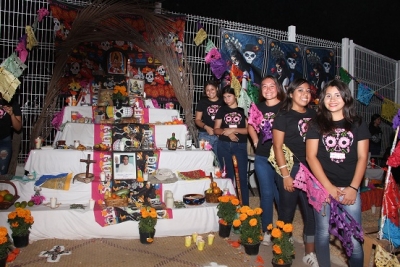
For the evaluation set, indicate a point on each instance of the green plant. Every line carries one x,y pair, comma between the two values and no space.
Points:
20,221
148,220
227,209
283,249
249,222
119,92
4,242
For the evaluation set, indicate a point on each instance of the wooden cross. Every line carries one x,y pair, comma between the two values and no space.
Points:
88,161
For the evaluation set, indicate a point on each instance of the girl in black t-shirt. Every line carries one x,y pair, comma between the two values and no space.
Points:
206,110
10,118
337,152
231,127
290,128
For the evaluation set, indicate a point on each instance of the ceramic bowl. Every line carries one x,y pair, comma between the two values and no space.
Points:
194,199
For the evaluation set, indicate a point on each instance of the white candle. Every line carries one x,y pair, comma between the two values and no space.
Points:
145,176
91,204
53,202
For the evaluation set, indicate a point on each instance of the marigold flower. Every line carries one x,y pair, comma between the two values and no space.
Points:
280,224
257,211
269,227
253,222
237,223
235,201
281,262
277,249
250,212
250,240
243,217
3,240
288,228
276,233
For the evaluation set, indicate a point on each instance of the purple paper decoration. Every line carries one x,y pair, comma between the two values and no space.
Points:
218,67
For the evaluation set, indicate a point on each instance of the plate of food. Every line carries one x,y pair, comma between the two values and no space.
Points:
101,147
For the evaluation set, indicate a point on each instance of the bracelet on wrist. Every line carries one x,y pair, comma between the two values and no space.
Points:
286,176
283,166
353,187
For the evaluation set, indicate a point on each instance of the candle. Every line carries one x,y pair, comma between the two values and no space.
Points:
103,176
53,202
145,176
91,203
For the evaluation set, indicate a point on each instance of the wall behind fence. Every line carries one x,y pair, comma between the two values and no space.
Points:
373,69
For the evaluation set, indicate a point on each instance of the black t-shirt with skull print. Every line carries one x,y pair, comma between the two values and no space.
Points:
232,118
337,151
209,110
295,125
269,113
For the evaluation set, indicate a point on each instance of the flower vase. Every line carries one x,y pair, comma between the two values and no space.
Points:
274,264
146,238
224,230
21,241
117,103
251,249
3,262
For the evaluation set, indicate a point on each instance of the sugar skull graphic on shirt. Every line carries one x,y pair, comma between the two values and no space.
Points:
338,143
2,112
303,127
266,126
212,111
233,119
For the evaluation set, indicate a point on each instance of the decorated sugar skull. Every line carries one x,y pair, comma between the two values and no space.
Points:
212,110
109,84
303,127
171,38
291,62
75,68
119,43
179,47
338,143
161,70
105,45
233,118
124,112
150,76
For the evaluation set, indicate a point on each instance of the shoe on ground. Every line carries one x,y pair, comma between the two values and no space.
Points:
311,259
267,239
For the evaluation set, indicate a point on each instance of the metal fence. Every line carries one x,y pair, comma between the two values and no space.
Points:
370,68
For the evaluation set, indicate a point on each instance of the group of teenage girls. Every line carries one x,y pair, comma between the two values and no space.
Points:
332,142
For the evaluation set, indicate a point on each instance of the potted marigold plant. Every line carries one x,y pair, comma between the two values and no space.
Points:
227,207
283,249
4,245
119,95
20,222
147,223
249,224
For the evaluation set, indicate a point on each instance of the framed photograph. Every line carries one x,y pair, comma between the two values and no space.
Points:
136,86
116,63
124,165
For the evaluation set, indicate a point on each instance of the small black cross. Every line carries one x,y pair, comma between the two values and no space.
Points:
88,161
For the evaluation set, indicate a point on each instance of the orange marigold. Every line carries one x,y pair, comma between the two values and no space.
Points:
236,223
281,262
250,212
288,228
243,216
269,227
235,201
280,224
277,249
253,222
276,233
258,211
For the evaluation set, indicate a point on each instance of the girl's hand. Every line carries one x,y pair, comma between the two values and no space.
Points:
228,131
288,184
8,109
233,137
209,130
335,192
349,196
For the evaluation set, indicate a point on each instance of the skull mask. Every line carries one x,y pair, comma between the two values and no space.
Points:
161,70
292,63
249,56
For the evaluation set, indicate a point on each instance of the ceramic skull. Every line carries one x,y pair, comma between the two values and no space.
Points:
150,76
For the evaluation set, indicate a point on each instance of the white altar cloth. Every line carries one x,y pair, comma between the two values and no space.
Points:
84,132
57,161
64,223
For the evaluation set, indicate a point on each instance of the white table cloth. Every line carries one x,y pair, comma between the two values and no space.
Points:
64,223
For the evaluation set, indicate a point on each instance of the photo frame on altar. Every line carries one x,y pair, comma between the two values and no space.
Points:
124,166
136,86
116,62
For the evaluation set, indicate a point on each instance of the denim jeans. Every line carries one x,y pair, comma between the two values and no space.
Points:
267,178
322,235
225,152
212,139
5,154
287,207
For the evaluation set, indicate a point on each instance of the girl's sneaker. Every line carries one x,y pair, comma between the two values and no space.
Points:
311,259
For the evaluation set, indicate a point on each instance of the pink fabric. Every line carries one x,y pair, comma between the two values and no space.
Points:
146,115
255,117
306,181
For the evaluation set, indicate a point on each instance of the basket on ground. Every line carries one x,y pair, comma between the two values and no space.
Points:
5,204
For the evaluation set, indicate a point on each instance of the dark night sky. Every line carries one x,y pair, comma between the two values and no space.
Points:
374,25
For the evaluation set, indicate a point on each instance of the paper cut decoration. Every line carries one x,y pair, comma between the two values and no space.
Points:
212,55
364,94
55,253
31,40
43,12
21,49
344,76
14,65
384,258
201,35
255,117
210,45
389,109
218,67
8,84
